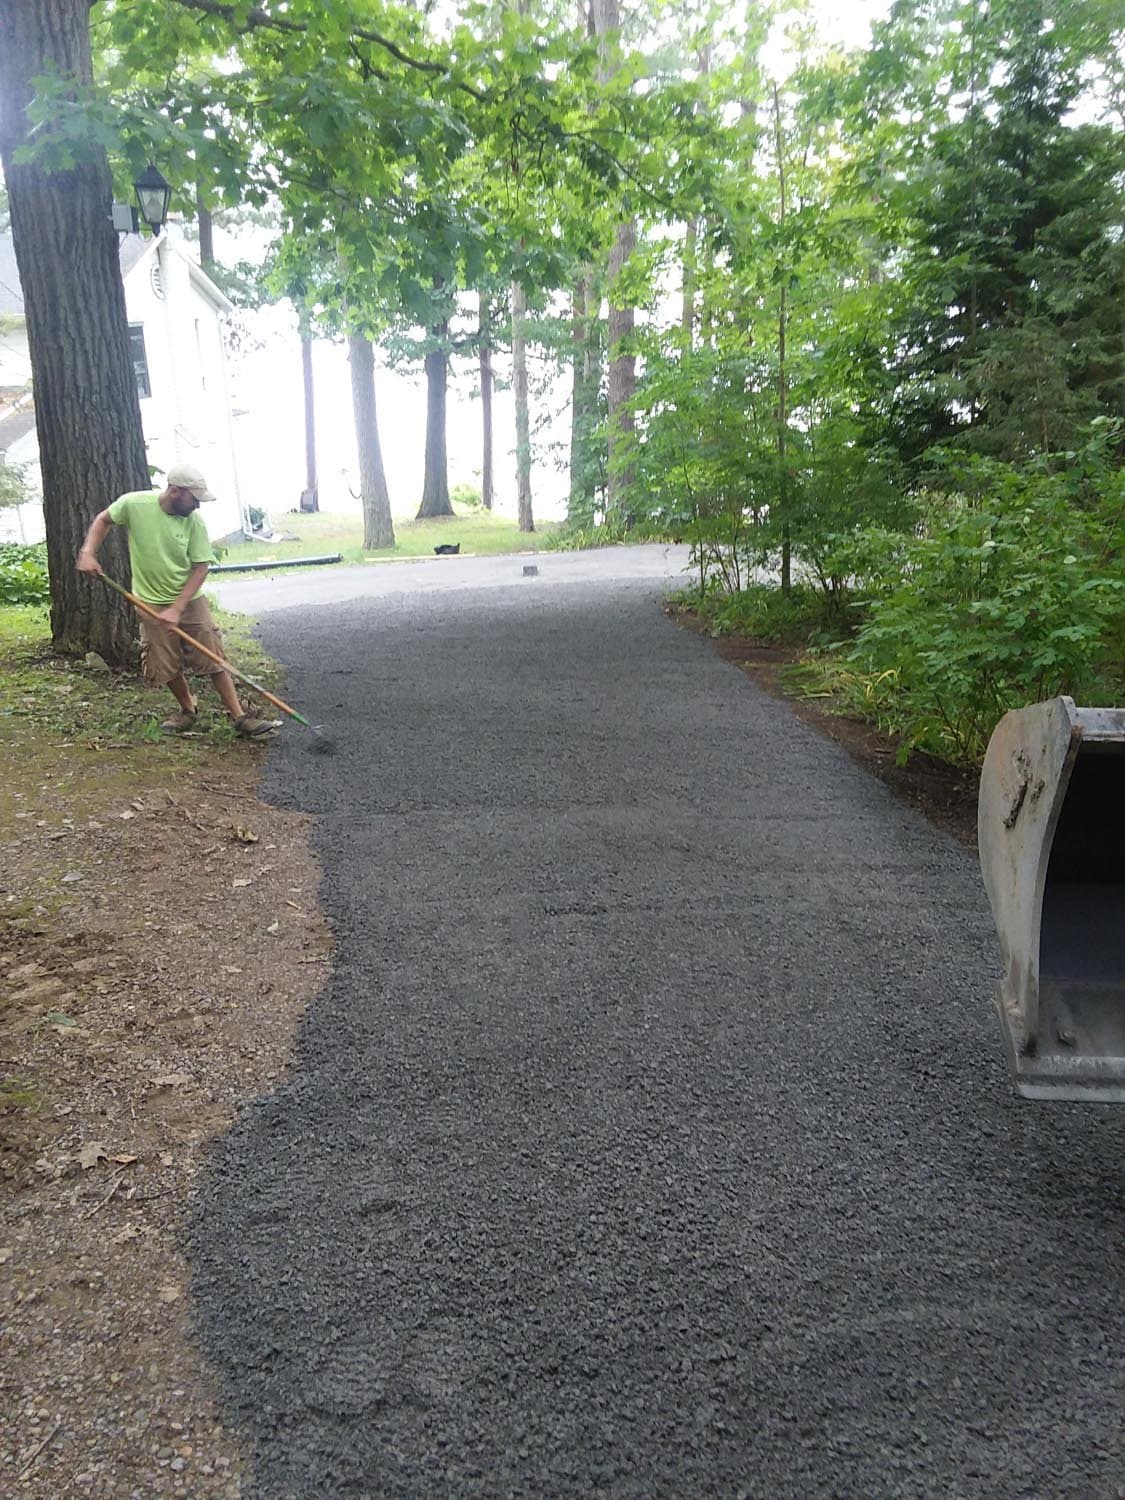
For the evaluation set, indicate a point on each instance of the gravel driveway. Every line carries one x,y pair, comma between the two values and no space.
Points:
653,1138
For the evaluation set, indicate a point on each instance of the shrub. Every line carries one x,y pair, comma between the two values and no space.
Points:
467,495
23,574
571,538
763,611
1006,596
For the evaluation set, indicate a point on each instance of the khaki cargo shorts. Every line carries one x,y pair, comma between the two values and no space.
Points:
164,655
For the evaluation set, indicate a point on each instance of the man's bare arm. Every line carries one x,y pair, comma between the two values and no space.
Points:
87,559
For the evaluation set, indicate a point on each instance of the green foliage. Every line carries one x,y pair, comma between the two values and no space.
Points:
466,495
14,488
763,611
610,532
1005,205
23,574
1011,591
411,157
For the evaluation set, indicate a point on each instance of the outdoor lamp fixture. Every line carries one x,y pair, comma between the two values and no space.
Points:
153,193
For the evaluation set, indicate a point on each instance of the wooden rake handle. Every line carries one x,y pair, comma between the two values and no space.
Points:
147,609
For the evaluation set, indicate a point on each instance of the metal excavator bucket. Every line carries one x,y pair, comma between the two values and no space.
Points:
1051,827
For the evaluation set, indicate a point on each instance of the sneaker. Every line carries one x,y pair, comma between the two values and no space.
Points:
251,728
179,722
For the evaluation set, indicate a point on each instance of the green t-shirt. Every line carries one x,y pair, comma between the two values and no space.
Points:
163,549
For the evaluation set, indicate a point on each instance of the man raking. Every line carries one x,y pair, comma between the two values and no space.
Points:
170,553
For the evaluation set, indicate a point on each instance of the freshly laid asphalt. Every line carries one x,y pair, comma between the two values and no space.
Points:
653,1136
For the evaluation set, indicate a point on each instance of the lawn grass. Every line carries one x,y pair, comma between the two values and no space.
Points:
21,624
479,533
53,700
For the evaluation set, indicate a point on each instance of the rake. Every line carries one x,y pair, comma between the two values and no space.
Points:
321,745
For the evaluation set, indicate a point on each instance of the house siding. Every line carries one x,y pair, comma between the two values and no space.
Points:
187,417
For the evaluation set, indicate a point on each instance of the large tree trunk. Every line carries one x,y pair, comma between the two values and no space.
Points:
622,374
310,495
523,412
585,383
378,529
621,382
706,308
487,489
691,243
687,294
435,484
782,368
586,372
206,232
91,444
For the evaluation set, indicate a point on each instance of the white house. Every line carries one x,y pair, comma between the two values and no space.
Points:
175,316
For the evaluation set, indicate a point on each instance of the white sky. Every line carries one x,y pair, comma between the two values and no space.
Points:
267,389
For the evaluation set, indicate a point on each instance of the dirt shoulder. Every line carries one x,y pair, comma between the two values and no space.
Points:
159,942
944,795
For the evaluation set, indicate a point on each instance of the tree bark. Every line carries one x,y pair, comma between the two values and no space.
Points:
206,232
435,484
91,444
622,374
310,495
586,371
486,384
378,529
523,413
621,380
585,381
691,243
687,294
706,309
782,367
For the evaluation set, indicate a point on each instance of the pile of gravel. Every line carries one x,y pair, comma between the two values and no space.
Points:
653,1136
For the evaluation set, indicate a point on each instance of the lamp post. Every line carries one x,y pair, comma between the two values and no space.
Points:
153,193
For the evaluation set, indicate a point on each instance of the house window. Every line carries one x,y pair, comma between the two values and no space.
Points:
140,359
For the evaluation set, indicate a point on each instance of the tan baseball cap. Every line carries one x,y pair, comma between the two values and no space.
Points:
184,477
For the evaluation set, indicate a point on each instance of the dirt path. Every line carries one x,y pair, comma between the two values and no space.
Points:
159,941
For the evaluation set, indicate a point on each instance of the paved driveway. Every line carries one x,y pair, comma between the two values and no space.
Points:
652,1138
261,594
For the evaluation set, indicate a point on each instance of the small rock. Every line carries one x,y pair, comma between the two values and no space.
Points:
95,662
